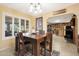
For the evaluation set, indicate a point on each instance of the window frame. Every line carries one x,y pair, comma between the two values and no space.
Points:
14,23
21,24
28,25
3,26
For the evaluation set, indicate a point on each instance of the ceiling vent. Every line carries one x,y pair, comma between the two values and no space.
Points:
59,12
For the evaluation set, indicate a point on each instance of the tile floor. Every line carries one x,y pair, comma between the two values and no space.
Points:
65,49
59,44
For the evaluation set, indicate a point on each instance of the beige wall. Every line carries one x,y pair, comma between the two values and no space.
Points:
10,42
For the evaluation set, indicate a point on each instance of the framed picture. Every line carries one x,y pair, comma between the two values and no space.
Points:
39,23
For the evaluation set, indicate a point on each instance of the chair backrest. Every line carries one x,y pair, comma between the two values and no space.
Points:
49,36
20,35
20,43
20,39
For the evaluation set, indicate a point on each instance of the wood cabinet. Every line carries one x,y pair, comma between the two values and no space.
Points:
78,44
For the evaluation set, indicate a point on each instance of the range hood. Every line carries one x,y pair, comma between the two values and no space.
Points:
60,19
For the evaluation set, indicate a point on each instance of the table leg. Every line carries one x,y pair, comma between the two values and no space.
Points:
45,47
50,47
36,48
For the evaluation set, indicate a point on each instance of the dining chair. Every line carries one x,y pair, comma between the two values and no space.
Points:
22,46
46,44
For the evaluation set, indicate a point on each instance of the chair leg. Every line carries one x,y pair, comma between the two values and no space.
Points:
32,49
45,49
41,51
44,53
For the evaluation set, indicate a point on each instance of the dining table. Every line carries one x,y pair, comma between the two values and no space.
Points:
36,39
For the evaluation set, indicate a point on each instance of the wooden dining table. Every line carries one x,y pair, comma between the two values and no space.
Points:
36,39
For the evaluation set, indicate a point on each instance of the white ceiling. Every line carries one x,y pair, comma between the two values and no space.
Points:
46,7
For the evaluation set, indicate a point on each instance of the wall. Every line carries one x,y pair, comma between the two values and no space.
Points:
10,42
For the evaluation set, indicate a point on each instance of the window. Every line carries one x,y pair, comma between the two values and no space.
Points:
27,25
8,26
16,25
22,25
12,24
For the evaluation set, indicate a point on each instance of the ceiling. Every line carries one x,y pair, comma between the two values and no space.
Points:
46,7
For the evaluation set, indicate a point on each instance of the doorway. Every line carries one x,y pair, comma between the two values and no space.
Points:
59,33
60,28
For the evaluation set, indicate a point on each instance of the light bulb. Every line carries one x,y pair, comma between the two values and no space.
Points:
40,10
35,12
31,8
38,7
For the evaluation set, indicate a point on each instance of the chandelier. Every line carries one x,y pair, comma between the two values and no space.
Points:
35,8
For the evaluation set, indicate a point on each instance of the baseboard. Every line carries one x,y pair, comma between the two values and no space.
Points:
5,48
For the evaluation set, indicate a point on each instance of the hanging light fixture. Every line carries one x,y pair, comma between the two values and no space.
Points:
35,7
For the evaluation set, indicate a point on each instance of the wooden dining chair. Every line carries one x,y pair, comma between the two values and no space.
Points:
46,45
21,46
